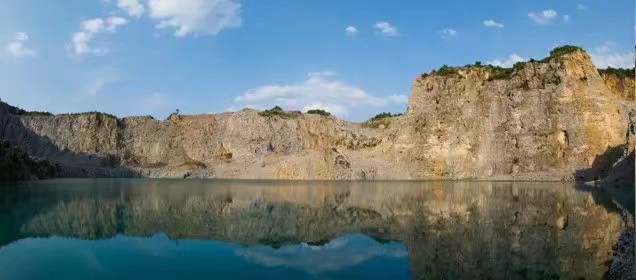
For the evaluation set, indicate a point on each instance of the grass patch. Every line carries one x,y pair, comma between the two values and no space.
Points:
619,72
35,113
279,112
442,71
447,71
383,115
562,50
501,73
319,112
91,113
380,119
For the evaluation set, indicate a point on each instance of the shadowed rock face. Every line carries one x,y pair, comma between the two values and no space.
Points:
473,230
17,165
543,121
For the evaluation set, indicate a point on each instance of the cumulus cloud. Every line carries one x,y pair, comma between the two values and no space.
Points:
134,8
492,23
186,17
319,91
351,30
17,46
607,55
207,17
566,18
88,29
92,25
507,62
543,17
386,29
448,33
581,7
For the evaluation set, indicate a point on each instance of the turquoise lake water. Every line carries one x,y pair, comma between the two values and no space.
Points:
225,229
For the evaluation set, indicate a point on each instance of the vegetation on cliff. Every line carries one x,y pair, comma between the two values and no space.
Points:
381,119
319,112
277,111
91,113
504,73
36,113
563,50
384,115
619,72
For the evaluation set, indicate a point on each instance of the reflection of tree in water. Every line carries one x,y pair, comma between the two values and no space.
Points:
472,230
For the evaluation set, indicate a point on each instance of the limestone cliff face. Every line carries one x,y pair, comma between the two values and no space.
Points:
244,144
547,118
541,121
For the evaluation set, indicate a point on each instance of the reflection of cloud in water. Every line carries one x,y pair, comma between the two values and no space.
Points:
343,252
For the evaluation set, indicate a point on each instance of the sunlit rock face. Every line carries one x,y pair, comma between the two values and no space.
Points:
472,230
544,120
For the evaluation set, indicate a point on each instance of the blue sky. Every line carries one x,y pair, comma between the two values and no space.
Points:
353,58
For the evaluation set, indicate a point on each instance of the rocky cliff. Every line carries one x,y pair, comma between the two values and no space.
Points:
543,117
539,120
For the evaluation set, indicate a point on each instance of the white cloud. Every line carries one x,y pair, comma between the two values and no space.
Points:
606,55
133,7
79,43
507,62
17,46
492,23
448,33
92,25
386,29
581,7
543,17
112,23
88,29
319,91
606,47
351,30
399,99
566,18
208,17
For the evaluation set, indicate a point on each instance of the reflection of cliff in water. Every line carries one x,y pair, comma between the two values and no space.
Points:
472,229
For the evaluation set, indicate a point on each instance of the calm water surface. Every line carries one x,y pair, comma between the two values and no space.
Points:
207,229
